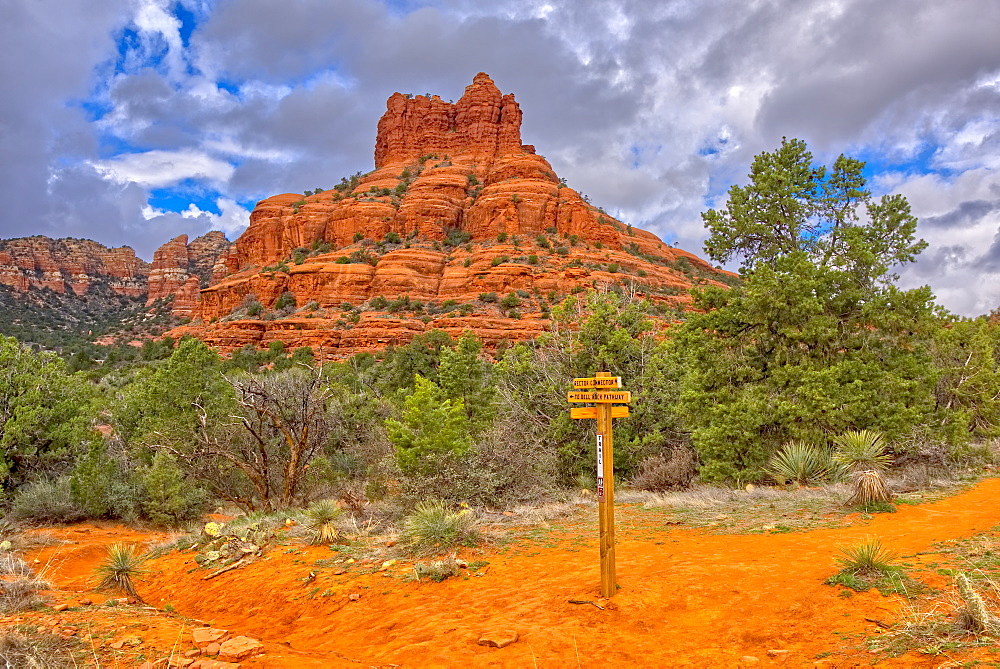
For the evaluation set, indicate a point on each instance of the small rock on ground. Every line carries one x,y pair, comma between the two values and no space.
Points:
205,635
498,638
240,648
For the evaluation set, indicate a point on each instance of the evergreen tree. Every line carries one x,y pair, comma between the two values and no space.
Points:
430,424
46,414
816,340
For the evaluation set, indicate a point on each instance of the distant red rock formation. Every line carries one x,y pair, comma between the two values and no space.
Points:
182,270
70,265
456,208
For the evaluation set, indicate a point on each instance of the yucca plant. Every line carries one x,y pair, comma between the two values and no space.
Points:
869,557
863,454
432,526
799,462
320,518
120,569
870,491
862,450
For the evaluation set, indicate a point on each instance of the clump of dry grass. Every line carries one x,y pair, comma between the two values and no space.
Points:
20,591
37,651
958,619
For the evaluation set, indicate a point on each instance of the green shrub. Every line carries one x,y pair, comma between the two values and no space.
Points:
502,237
378,303
562,250
510,301
254,308
499,260
285,300
488,297
532,259
392,238
169,499
46,502
870,556
859,450
358,236
433,528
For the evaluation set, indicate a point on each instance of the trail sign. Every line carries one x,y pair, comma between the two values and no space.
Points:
609,396
597,382
603,397
591,412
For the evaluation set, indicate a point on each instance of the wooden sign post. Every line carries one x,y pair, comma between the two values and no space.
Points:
604,395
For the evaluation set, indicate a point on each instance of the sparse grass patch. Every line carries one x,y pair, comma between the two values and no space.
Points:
871,565
20,594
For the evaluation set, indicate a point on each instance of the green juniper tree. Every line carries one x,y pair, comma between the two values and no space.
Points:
817,339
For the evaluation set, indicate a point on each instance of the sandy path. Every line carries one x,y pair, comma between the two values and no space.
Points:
686,598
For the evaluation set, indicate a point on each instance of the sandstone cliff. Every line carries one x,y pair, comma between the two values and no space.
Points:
459,226
182,270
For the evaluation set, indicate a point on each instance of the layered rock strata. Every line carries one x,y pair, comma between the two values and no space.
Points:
70,266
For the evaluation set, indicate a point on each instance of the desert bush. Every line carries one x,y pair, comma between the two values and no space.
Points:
863,454
868,557
659,473
320,521
436,570
799,462
46,502
285,301
120,569
870,564
433,528
871,492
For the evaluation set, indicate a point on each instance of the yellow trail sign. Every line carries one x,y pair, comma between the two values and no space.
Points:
604,396
591,412
600,396
597,382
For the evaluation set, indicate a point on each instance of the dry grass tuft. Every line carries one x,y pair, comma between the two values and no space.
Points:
37,651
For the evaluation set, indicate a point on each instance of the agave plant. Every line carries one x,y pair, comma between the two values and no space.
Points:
321,517
799,462
120,569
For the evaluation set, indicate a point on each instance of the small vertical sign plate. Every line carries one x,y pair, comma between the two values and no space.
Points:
600,466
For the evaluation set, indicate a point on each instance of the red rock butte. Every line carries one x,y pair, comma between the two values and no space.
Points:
456,213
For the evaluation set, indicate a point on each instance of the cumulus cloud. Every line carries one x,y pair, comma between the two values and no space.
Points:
157,169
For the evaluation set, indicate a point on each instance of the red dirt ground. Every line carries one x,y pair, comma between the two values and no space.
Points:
687,598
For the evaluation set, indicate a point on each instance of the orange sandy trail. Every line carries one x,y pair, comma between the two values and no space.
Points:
686,598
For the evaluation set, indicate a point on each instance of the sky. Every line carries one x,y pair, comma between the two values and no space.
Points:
134,121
